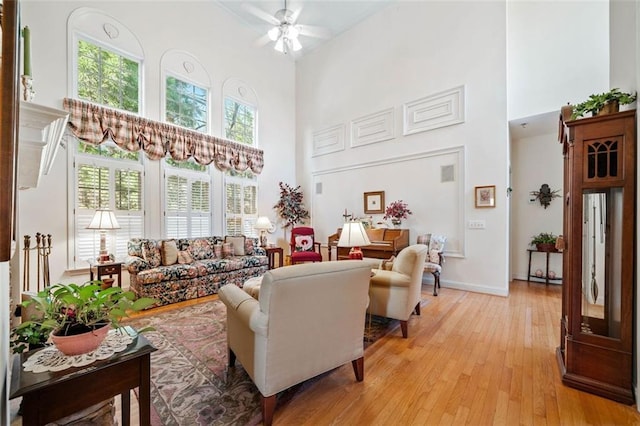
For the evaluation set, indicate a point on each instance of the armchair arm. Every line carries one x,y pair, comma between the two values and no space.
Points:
135,264
244,307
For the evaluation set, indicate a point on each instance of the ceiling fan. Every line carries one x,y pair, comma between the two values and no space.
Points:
285,30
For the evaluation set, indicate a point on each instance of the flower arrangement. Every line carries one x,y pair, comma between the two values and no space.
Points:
397,210
290,207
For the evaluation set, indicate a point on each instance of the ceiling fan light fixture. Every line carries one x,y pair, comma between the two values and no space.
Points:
293,32
274,33
295,44
279,46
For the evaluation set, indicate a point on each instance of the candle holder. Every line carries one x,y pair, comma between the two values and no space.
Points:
27,88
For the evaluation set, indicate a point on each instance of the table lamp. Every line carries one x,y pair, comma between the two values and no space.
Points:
353,235
103,220
263,224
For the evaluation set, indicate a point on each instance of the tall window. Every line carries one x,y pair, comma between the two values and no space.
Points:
105,176
187,206
241,189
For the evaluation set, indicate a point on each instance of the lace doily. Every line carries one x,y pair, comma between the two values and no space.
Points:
51,359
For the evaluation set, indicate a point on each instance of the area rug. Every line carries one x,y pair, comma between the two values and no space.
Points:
190,381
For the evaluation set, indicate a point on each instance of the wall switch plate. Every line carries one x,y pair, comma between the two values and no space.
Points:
477,224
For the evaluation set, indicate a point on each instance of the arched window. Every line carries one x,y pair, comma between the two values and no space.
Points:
240,121
106,62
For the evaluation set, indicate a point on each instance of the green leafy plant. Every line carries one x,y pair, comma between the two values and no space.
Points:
596,102
28,335
69,309
544,238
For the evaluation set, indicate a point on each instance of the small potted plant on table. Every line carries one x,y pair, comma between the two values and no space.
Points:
544,241
78,317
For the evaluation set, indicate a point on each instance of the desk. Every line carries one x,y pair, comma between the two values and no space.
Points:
51,395
271,252
546,273
106,268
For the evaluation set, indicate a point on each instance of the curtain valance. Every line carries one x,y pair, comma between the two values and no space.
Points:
96,124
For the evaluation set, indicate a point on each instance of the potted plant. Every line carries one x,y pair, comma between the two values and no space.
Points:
85,311
290,207
544,241
397,211
603,103
27,336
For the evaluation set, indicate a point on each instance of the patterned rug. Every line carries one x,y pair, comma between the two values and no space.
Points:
190,381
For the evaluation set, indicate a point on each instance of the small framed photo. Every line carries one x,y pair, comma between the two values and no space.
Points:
374,202
485,196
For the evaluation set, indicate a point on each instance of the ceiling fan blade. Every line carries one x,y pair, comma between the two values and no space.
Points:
262,41
314,31
256,11
295,14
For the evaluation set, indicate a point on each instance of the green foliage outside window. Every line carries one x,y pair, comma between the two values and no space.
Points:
107,78
190,164
128,190
186,104
239,121
107,150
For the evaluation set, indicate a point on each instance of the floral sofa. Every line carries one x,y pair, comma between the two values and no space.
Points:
173,270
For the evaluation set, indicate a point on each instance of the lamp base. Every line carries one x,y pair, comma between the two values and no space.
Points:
355,253
263,239
104,258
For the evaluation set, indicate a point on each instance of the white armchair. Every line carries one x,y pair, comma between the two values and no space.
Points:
396,293
309,319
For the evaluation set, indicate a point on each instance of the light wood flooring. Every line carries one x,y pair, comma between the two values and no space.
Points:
470,359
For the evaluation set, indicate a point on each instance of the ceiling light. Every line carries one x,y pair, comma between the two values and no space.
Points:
274,33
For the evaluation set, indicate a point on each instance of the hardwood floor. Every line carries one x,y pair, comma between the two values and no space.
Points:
470,359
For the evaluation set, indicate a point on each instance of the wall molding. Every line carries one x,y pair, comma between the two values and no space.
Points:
434,111
373,128
459,151
328,140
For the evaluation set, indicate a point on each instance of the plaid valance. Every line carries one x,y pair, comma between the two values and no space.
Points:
96,124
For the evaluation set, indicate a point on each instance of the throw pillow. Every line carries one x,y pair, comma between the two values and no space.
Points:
248,246
434,256
238,244
304,243
200,249
169,252
217,250
184,257
437,242
151,253
227,250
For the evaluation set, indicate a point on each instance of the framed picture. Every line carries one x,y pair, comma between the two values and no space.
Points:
485,196
374,202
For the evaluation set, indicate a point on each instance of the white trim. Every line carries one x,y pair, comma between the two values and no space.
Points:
328,140
431,112
373,128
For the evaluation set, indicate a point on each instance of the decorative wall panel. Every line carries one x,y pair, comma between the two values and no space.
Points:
328,140
372,128
434,111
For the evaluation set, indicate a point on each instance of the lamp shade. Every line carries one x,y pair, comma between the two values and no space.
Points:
263,223
353,235
104,219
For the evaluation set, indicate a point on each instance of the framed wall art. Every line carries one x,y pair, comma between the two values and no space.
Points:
485,196
374,202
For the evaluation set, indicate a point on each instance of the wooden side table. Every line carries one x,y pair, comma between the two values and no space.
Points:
546,274
106,268
50,395
271,254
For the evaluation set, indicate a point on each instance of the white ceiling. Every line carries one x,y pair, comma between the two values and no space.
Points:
325,18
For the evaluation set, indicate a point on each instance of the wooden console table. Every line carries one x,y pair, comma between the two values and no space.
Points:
105,268
49,396
546,272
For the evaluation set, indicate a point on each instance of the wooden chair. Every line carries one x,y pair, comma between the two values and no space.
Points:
304,248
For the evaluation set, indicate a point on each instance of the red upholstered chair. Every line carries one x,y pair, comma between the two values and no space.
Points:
304,248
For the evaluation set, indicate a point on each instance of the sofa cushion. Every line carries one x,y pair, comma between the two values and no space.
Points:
184,257
200,248
134,247
169,253
304,243
169,273
151,253
237,242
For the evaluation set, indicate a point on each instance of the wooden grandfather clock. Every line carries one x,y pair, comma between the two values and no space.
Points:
596,344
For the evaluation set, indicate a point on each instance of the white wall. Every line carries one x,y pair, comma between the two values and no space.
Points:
535,160
406,52
222,45
558,52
